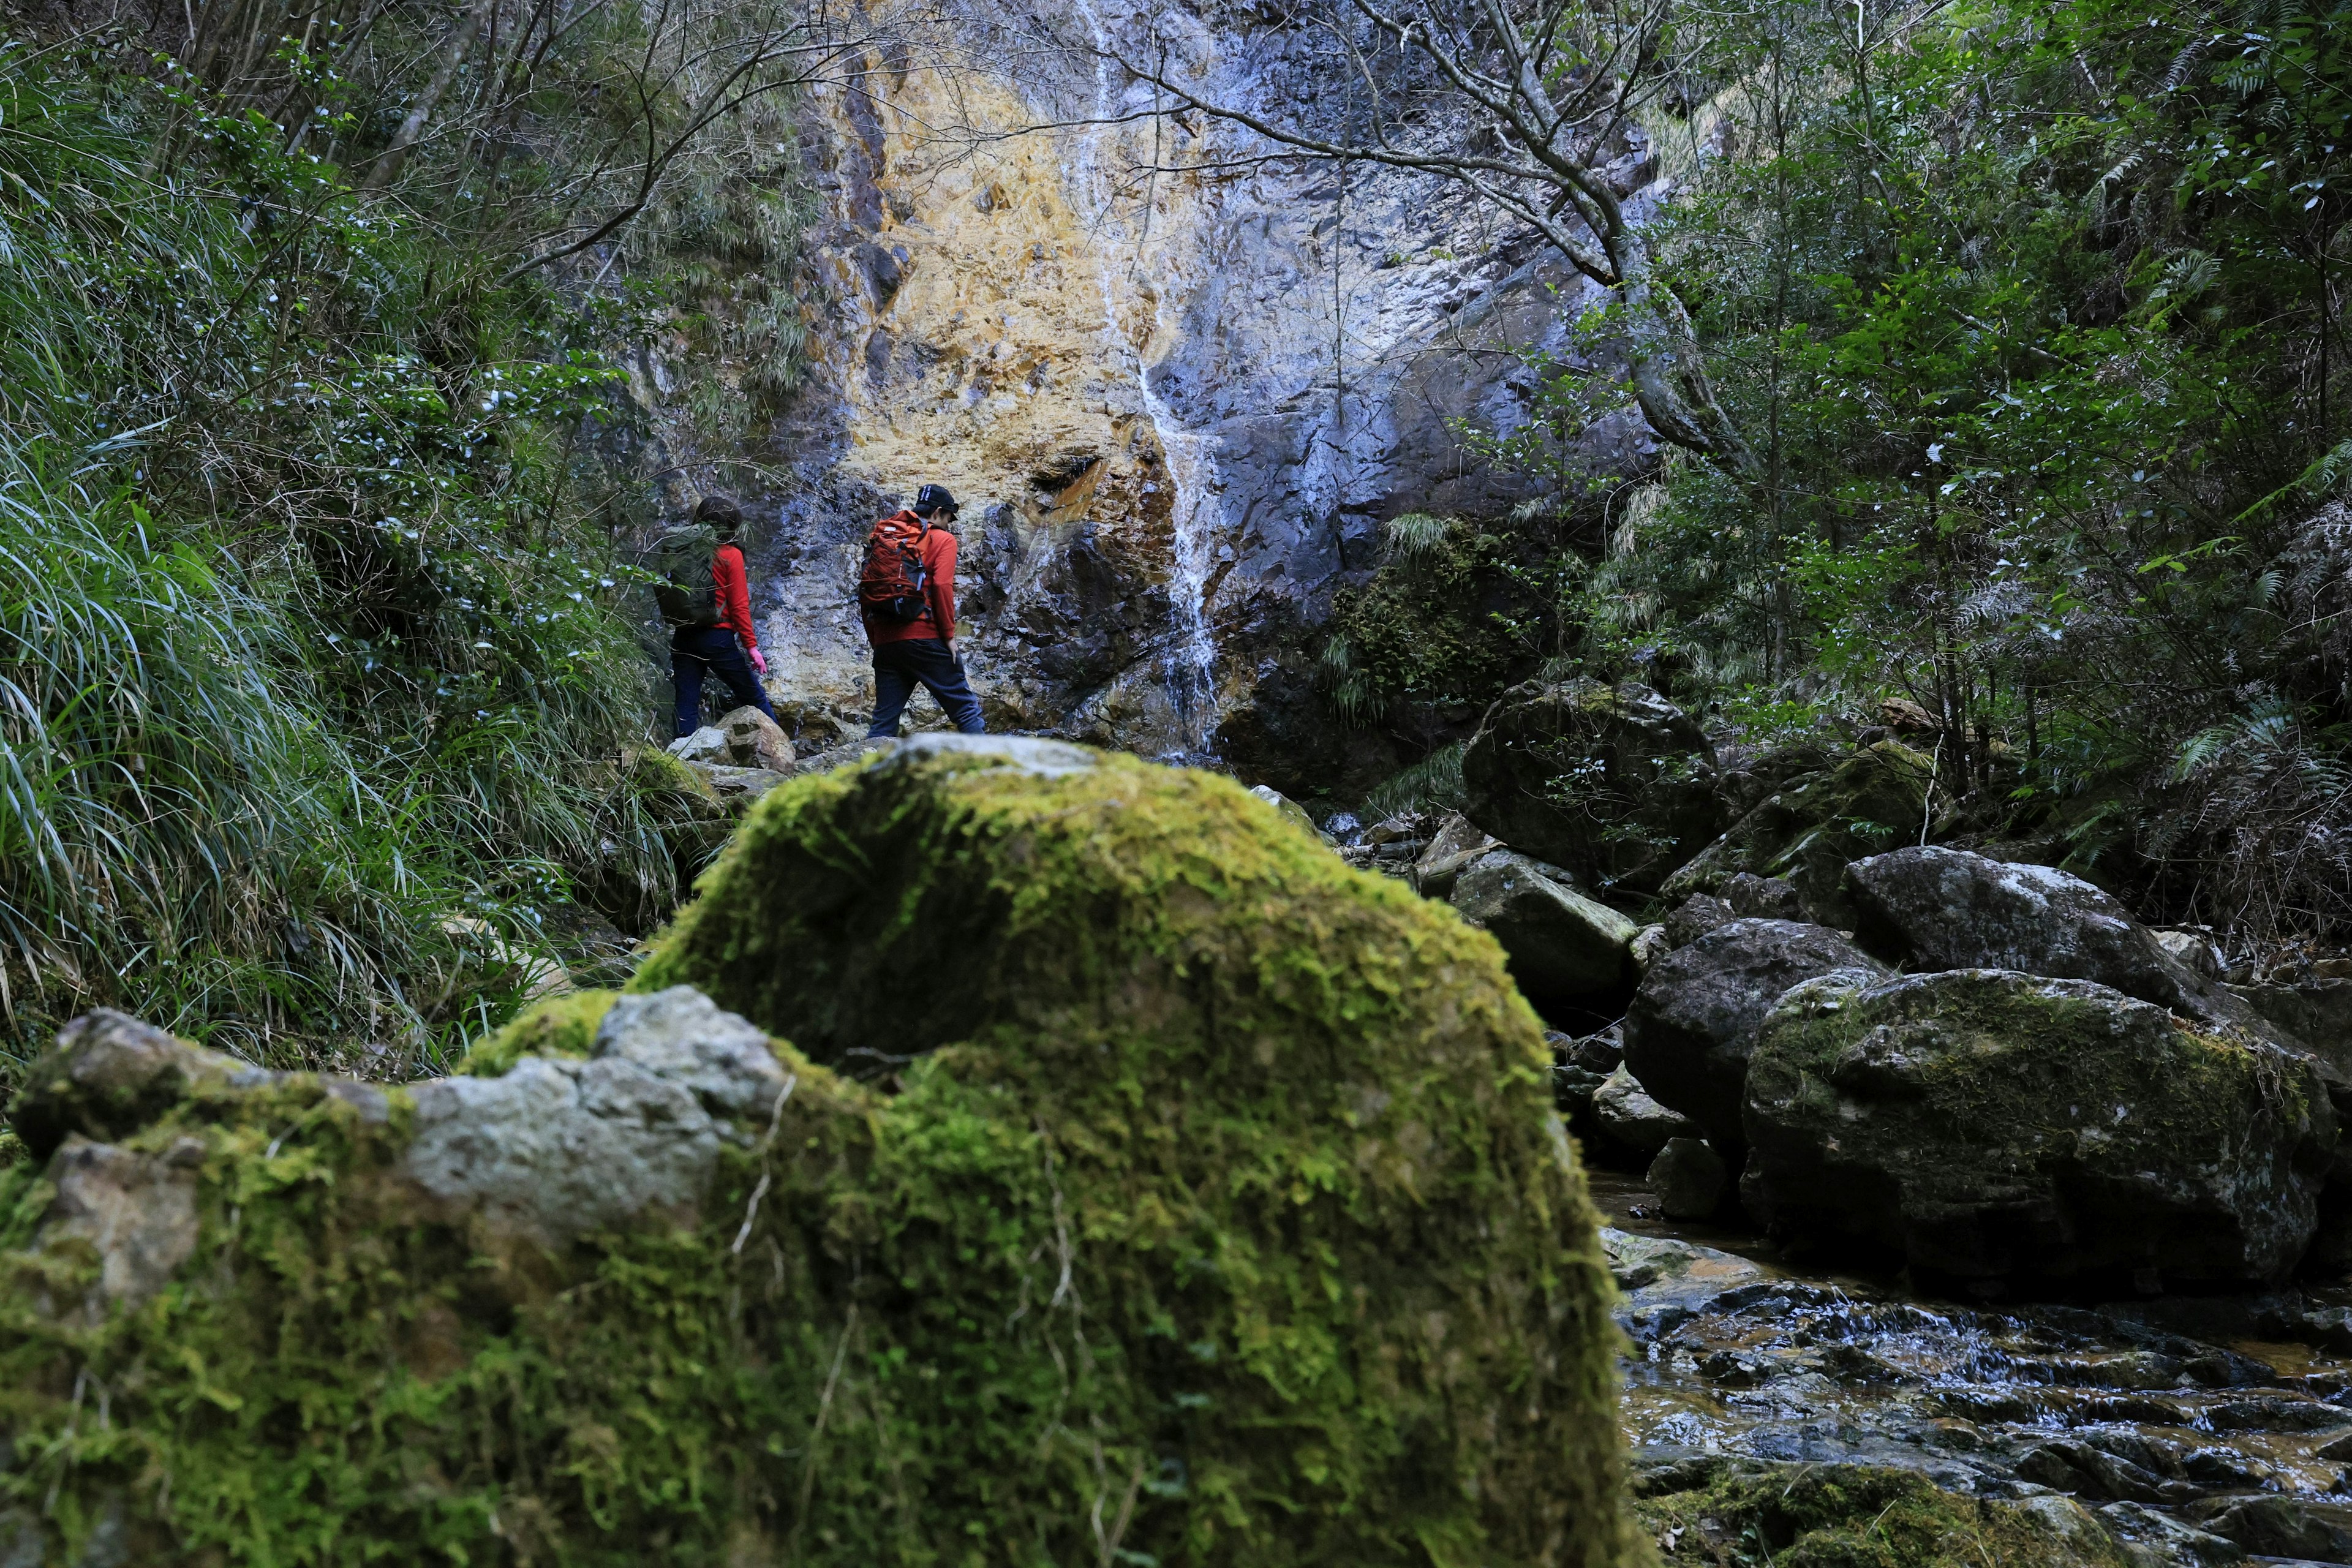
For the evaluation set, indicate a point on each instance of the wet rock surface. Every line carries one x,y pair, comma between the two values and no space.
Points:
2193,1430
1933,907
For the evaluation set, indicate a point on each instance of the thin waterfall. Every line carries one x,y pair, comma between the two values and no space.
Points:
1191,657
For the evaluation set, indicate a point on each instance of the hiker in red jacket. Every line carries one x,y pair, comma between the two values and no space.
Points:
906,595
709,620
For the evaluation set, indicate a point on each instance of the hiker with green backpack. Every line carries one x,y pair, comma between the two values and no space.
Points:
704,594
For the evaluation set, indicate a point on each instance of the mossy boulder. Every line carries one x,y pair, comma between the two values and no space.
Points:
1864,1516
1613,783
1992,1126
1933,907
1207,1209
1821,812
1694,1019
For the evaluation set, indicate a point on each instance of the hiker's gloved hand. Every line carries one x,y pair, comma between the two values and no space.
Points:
759,661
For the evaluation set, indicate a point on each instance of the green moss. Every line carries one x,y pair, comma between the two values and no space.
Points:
1816,821
12,1149
1439,625
1853,1516
1225,1223
558,1027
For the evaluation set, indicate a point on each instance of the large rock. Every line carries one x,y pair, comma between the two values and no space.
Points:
1693,1019
1988,1125
1817,813
1185,1134
1563,946
1930,907
1614,784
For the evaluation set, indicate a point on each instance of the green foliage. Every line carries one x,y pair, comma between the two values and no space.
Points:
2022,310
1127,1270
311,639
1439,626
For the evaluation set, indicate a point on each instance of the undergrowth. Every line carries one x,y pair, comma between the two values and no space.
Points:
316,665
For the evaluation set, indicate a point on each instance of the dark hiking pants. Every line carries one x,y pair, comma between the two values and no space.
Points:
900,667
696,651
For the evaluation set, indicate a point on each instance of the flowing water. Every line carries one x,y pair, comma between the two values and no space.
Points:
1190,469
2230,1413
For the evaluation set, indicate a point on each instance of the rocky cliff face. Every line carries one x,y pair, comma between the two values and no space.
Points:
1177,390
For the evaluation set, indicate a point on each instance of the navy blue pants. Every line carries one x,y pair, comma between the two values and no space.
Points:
900,667
695,652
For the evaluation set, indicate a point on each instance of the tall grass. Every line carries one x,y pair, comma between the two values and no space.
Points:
314,657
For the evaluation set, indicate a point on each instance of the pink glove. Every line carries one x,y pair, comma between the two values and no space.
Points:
759,661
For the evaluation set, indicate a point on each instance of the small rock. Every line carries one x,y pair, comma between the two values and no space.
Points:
1689,1178
557,1148
138,1211
1561,944
707,744
2159,1541
1457,844
739,787
1752,897
1627,1119
2303,1528
2193,951
754,741
108,1076
1288,810
1693,917
1650,944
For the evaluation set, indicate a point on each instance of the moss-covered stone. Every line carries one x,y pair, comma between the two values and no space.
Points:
1858,1516
558,1027
1221,1220
1821,814
1991,1125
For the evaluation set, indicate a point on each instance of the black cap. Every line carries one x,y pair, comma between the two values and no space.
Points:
935,498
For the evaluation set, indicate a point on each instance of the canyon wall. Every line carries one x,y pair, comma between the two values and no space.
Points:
1176,385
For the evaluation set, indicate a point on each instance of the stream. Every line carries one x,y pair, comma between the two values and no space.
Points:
2227,1413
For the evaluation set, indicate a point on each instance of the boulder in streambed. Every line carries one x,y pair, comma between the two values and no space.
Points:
1693,1018
1930,907
1182,1132
1563,946
1629,1124
1613,783
755,741
1992,1126
1689,1178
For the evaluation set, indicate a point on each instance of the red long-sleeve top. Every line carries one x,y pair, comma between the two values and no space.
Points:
733,581
938,619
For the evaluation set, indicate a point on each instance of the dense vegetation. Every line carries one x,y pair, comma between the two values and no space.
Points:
318,655
2027,317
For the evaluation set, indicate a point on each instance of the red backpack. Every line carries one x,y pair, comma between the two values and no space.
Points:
895,581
